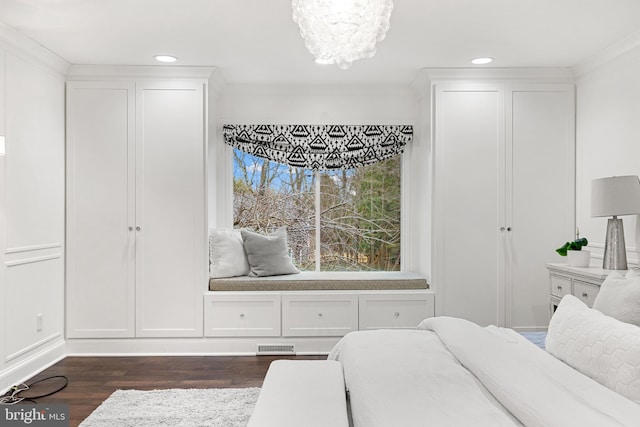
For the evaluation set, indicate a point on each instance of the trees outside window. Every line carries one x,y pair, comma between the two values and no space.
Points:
357,210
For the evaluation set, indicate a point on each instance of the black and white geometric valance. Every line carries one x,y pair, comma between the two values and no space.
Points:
320,147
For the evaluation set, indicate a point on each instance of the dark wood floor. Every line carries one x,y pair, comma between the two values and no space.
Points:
93,379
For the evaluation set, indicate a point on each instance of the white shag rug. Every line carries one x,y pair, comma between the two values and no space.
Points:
219,407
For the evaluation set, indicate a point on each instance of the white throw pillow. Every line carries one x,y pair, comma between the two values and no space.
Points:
597,345
268,255
619,297
226,254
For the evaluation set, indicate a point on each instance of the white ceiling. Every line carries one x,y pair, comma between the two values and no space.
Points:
256,41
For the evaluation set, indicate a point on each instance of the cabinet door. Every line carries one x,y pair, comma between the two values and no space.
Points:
469,201
100,195
540,196
171,240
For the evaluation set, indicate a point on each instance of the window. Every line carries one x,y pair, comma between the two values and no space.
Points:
336,220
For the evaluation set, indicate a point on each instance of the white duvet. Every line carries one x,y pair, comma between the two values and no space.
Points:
451,372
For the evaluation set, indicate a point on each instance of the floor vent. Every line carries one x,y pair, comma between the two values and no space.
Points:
275,349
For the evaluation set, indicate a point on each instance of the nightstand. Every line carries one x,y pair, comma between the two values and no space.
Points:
582,282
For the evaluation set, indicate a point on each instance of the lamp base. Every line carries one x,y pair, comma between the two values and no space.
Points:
615,254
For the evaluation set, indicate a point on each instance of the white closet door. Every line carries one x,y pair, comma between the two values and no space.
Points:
541,195
469,202
171,240
100,195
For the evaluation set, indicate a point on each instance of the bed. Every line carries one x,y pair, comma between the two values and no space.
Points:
451,372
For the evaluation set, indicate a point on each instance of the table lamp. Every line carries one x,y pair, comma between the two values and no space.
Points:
615,196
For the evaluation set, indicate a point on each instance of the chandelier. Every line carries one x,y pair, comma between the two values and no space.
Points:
342,31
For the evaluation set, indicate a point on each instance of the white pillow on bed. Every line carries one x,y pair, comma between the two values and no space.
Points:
226,254
597,345
619,297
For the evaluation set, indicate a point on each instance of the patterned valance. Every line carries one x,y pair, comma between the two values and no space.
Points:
320,147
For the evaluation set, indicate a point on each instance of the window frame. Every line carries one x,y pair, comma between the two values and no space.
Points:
415,198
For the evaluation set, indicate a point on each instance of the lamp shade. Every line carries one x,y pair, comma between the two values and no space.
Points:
616,195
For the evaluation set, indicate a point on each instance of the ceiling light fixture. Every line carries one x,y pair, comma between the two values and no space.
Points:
166,58
482,61
342,31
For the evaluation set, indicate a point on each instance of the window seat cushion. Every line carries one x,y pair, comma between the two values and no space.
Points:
323,281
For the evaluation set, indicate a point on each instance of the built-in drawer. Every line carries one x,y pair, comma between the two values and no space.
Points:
311,314
394,310
585,291
560,285
242,314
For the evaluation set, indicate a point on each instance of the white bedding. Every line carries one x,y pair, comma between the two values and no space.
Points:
448,372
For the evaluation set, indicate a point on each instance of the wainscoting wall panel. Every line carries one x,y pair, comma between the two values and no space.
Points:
32,205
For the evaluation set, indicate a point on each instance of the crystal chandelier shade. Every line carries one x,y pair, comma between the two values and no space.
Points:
342,31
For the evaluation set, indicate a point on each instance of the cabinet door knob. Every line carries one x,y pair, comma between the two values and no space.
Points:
319,314
585,295
130,228
508,228
242,315
138,228
396,314
559,287
501,228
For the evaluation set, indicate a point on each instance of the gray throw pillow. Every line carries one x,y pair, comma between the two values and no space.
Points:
268,255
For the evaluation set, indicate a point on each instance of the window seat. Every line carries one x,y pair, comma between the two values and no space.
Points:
323,281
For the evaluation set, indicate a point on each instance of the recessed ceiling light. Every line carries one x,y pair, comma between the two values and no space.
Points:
166,58
481,61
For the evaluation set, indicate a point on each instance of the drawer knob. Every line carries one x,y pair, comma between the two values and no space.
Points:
319,314
396,314
585,295
242,315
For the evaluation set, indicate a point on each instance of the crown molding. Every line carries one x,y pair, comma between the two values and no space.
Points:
18,44
529,74
126,72
318,90
607,55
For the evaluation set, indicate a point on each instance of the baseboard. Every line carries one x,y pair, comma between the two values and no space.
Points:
40,360
193,346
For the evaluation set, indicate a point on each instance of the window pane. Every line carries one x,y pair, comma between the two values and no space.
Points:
360,218
360,211
269,195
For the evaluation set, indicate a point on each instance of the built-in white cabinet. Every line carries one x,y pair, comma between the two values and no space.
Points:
503,197
309,314
136,257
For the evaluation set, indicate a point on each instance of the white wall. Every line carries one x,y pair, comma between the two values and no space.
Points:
608,138
329,105
32,205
